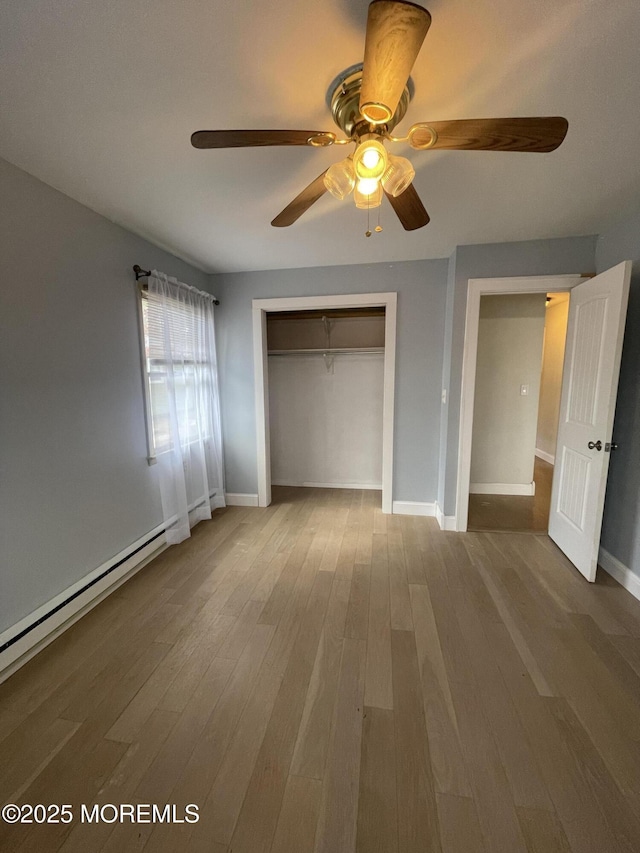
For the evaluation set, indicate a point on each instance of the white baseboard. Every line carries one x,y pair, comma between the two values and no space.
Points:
376,486
446,522
618,570
41,627
413,508
502,489
240,499
546,457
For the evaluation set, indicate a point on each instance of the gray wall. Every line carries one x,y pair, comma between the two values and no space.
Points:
446,373
621,526
75,487
495,260
421,288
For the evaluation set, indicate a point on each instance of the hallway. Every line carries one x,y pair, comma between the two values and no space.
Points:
515,512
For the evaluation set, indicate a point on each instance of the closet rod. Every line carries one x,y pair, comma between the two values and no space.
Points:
331,351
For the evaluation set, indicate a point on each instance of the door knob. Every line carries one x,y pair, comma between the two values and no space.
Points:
595,445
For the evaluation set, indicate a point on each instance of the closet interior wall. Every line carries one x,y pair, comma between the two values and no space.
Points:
325,397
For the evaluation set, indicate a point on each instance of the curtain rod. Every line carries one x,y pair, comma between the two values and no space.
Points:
140,273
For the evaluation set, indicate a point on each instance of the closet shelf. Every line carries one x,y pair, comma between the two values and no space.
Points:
329,351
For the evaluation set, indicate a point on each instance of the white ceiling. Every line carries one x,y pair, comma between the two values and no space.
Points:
99,98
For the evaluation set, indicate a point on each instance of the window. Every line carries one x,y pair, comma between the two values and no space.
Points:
182,401
186,372
176,358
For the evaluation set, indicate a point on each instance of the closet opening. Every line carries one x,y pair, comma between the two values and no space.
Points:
331,360
326,391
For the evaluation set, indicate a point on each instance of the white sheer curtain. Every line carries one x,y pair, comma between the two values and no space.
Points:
185,408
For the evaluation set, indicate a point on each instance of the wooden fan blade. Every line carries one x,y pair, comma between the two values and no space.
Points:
409,209
491,134
301,203
250,138
395,32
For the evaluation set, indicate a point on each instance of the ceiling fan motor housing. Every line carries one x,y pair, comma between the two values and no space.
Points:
344,100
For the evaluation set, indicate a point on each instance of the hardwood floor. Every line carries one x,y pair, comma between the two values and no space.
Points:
515,512
320,678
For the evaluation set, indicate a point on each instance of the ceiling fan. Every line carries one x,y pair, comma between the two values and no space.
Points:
367,101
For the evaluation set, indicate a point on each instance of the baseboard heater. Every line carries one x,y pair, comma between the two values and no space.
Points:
77,594
14,657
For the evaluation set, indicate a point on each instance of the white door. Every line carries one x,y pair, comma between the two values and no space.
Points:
597,313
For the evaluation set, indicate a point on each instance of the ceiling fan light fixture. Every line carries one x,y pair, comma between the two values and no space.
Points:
340,178
398,175
367,101
368,196
370,158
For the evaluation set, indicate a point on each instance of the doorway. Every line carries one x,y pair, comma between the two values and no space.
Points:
261,308
520,356
595,331
543,285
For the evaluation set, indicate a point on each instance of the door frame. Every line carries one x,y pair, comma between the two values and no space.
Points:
260,308
478,287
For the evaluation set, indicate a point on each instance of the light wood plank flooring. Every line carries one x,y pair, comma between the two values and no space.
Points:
320,678
515,512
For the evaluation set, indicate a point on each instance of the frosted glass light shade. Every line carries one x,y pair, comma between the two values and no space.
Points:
370,159
398,175
366,201
340,178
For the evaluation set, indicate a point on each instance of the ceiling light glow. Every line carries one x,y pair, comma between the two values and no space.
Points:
366,186
370,158
369,200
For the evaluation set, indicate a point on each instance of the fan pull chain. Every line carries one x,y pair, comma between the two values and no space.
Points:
378,227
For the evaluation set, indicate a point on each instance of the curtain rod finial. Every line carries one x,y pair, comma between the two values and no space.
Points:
140,272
